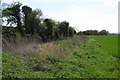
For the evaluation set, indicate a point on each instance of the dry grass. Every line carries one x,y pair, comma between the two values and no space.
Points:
30,52
77,39
23,50
51,49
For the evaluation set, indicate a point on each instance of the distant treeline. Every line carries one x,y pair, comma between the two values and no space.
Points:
22,21
93,32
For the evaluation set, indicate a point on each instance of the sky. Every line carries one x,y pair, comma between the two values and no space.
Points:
81,14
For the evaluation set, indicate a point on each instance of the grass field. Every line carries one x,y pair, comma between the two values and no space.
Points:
78,57
109,43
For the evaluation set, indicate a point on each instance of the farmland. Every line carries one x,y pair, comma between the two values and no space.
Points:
109,43
37,46
77,57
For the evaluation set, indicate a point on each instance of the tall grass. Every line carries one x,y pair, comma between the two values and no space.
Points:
23,50
77,57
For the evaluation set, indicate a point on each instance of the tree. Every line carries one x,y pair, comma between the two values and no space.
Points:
36,28
13,15
30,22
35,21
49,24
95,32
26,11
71,31
57,30
103,32
64,29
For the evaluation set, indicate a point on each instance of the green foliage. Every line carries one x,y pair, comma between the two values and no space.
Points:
109,43
13,15
93,32
103,32
26,11
30,23
64,29
13,68
49,24
88,60
71,31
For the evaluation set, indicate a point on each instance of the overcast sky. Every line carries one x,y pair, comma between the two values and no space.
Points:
82,14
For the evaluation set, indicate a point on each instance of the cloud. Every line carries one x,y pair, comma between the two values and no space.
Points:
60,1
95,14
87,18
28,5
112,4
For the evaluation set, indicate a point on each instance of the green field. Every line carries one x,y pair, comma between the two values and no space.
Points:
109,43
80,58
